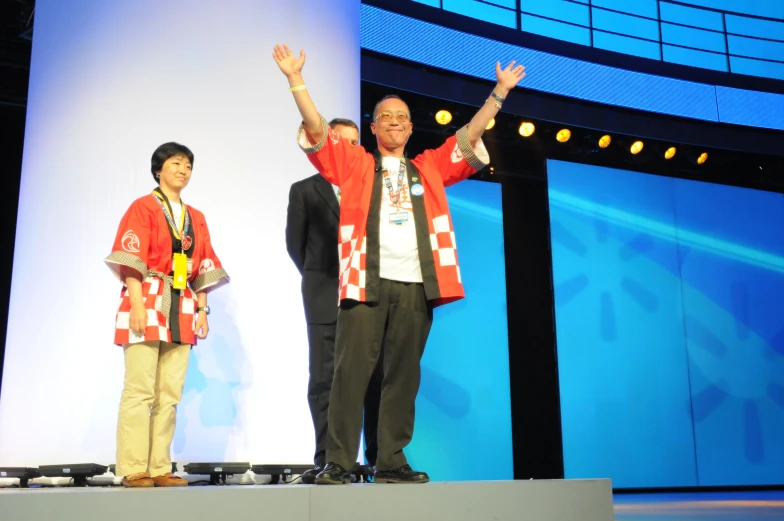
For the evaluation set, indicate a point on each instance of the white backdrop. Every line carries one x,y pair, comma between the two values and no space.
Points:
110,81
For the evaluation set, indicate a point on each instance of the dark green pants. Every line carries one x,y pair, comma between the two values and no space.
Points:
395,328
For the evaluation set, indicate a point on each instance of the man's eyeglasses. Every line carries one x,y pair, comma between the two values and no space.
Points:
388,115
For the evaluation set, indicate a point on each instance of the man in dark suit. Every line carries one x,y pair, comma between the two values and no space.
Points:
312,242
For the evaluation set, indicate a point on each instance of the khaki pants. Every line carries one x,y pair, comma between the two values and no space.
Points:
154,378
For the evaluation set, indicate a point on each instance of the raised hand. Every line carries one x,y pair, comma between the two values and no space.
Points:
289,65
509,77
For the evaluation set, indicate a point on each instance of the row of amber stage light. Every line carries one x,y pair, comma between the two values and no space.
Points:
527,129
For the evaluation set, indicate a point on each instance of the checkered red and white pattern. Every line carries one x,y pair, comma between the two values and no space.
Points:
442,240
353,169
352,265
152,290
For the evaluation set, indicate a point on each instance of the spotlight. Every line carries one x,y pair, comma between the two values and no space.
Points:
703,157
636,147
563,135
670,153
527,129
443,117
491,124
605,141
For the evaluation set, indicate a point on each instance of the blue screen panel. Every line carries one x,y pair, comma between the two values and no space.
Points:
657,275
690,57
622,369
559,30
691,16
559,10
626,45
625,24
753,27
434,45
733,291
483,11
754,67
747,107
646,8
766,8
463,425
698,38
751,48
444,48
645,19
509,4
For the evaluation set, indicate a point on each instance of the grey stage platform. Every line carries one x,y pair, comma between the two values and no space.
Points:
567,500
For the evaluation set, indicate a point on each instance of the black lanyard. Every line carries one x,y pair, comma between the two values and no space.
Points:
167,211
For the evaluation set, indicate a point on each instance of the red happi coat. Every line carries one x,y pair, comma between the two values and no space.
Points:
144,243
352,168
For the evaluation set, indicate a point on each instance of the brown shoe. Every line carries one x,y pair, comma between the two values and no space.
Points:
169,480
138,480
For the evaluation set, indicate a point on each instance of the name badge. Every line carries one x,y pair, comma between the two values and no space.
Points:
180,261
398,218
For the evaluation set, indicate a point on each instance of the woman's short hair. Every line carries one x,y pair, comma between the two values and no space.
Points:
164,153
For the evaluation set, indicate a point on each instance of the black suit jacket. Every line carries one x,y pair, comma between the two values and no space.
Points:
312,224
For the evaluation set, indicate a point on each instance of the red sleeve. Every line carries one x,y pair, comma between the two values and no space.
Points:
456,160
209,274
132,242
334,158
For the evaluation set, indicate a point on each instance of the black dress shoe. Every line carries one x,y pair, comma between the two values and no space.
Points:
402,475
333,474
309,476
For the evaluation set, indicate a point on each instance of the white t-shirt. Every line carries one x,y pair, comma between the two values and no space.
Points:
177,211
399,253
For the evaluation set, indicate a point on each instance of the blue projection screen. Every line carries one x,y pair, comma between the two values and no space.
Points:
669,296
463,427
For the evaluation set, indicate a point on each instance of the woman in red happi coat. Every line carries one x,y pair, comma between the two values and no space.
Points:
164,257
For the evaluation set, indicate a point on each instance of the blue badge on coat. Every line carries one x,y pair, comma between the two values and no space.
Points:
417,189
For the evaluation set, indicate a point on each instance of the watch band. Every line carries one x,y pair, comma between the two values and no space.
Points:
497,97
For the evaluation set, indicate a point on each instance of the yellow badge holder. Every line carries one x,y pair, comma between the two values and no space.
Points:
180,262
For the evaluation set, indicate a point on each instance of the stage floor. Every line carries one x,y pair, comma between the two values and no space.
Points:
703,506
558,500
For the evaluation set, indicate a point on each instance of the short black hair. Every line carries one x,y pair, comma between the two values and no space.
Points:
166,151
342,122
382,100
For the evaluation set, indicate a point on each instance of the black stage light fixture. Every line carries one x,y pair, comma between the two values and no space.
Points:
23,474
78,471
218,472
280,472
